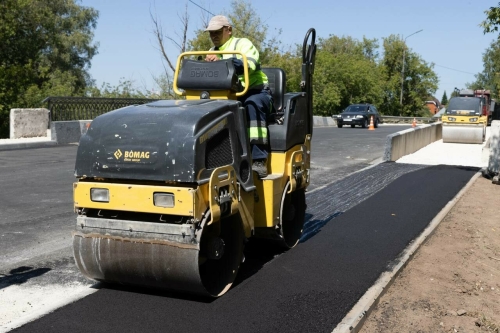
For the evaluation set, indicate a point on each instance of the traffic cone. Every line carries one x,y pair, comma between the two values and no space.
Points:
371,127
414,123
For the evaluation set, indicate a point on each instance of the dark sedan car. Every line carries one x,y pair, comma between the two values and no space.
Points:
359,114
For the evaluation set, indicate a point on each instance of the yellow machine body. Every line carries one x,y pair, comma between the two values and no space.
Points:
177,214
464,121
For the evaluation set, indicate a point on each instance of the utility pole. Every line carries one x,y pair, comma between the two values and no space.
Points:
403,71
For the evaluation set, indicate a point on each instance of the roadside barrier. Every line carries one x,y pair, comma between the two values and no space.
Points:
410,140
494,152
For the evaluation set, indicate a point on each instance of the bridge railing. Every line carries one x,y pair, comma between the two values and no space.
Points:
86,108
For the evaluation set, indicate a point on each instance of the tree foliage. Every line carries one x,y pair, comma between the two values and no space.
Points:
489,78
124,89
492,21
46,50
347,70
418,80
444,99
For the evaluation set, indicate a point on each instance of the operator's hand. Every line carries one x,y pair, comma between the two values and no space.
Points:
211,57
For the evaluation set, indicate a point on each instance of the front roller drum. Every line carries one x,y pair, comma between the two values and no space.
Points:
206,268
463,134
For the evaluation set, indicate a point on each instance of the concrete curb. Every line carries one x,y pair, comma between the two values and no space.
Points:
355,319
24,145
319,121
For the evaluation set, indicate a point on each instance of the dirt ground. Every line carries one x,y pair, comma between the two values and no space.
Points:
452,284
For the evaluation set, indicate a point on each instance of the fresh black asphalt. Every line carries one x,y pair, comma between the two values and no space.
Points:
356,229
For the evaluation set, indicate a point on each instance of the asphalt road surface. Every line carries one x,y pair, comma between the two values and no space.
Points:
308,289
271,293
338,152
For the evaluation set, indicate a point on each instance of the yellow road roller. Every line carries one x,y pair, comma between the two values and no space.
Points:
165,195
464,121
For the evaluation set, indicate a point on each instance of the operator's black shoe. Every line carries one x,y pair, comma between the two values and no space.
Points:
260,166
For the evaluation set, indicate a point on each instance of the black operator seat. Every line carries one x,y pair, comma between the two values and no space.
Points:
203,75
288,124
277,83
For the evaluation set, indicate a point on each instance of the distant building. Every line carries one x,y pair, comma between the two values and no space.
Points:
433,104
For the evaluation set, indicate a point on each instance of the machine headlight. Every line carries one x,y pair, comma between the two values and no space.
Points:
99,194
452,119
472,120
339,116
359,116
164,199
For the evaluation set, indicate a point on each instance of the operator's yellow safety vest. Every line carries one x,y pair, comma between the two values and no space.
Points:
258,80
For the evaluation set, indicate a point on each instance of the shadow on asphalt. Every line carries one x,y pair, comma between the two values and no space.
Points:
21,275
312,227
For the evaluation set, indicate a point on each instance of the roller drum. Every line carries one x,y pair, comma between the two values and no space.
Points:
463,134
159,263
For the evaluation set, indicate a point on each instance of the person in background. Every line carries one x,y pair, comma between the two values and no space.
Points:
258,100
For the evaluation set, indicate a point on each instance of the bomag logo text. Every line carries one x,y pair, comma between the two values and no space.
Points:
203,72
132,155
136,154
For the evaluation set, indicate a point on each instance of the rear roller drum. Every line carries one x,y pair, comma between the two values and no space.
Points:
463,134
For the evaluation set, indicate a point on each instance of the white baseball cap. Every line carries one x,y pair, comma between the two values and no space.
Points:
217,22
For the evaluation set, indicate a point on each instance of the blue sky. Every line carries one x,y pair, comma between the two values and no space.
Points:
451,36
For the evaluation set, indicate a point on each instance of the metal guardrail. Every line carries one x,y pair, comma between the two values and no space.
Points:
86,108
405,120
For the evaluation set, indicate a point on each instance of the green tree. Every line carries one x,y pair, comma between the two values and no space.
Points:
391,67
444,99
492,21
46,50
419,80
124,89
349,70
489,78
